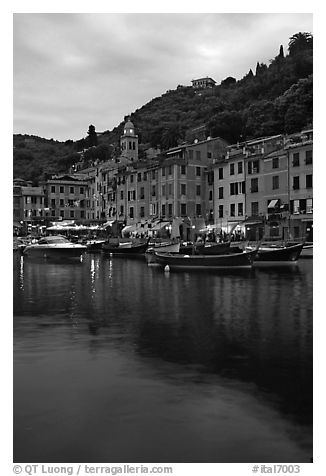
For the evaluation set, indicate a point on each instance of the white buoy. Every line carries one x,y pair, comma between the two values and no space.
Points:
167,268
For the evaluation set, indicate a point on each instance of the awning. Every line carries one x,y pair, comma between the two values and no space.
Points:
161,225
272,203
107,224
16,224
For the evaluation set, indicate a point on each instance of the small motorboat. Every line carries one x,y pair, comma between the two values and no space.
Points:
162,248
54,247
94,246
244,259
125,249
275,255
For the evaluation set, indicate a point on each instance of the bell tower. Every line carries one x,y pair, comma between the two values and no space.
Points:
129,142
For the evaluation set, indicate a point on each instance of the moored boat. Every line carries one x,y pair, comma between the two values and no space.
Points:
125,249
221,261
94,246
161,248
276,255
54,247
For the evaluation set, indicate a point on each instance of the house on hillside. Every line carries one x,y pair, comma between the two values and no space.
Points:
202,83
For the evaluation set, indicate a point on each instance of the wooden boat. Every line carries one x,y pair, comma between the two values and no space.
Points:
221,261
161,248
206,248
54,247
276,255
125,250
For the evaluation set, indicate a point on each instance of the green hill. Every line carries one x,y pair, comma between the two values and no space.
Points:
276,98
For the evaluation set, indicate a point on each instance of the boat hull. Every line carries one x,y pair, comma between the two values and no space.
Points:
57,253
125,250
278,257
228,261
165,248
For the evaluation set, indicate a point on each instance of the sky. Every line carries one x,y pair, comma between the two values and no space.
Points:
71,70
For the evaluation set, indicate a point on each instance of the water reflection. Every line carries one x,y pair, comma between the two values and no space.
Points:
188,335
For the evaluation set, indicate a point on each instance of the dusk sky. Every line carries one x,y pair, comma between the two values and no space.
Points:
73,70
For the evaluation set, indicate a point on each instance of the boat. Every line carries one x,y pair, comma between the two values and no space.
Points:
272,255
162,248
244,259
57,247
125,249
210,248
94,246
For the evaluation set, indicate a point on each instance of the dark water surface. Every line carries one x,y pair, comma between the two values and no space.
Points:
116,361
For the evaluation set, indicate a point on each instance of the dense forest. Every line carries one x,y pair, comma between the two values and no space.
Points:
274,99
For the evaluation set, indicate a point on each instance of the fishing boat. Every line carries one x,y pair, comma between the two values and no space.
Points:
54,247
161,248
125,249
275,255
173,261
210,248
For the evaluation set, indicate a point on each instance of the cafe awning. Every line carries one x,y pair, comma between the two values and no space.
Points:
160,225
272,203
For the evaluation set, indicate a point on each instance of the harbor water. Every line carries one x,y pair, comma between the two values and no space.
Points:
118,361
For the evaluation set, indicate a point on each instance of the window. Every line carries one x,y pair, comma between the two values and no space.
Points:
183,189
220,192
309,205
183,209
296,207
183,170
234,188
61,213
275,163
308,157
210,178
210,196
253,167
231,169
275,182
198,171
296,159
170,210
153,174
240,209
153,190
139,177
198,209
145,176
163,190
232,210
121,209
62,189
72,214
170,190
142,212
296,182
220,211
62,202
53,202
198,190
71,189
163,210
191,154
131,212
131,178
163,172
209,155
170,169
52,188
240,168
82,214
308,181
220,173
121,194
254,185
142,193
254,208
198,154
